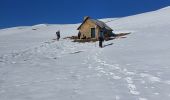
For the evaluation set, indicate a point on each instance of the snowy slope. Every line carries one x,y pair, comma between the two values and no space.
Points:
20,38
34,67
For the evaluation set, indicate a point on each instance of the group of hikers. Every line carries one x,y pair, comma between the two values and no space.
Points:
100,38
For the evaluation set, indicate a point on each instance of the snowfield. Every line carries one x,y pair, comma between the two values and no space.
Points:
33,66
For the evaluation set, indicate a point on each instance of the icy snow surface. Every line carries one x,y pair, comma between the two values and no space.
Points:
33,66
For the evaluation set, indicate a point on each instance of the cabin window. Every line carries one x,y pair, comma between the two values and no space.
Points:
93,33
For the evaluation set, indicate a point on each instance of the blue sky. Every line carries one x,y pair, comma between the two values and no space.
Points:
31,12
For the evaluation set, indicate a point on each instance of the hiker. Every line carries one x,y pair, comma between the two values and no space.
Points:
101,39
79,34
58,35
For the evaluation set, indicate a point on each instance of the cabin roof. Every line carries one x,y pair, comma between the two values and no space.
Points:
97,22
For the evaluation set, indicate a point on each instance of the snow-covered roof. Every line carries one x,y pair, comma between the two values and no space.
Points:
97,22
101,24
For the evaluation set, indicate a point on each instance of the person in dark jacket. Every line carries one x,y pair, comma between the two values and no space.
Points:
101,39
58,35
79,35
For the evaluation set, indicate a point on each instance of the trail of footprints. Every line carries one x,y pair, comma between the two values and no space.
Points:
123,72
51,50
113,71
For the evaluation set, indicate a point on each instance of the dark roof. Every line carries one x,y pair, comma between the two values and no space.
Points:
97,22
101,24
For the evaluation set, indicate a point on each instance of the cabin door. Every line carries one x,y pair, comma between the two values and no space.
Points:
93,33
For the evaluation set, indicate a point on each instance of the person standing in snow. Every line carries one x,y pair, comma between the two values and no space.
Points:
58,35
101,39
79,35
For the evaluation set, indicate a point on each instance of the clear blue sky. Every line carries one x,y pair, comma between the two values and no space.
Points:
30,12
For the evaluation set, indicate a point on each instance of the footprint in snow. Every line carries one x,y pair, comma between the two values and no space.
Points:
76,52
128,72
114,76
156,93
132,89
143,99
129,80
131,86
150,77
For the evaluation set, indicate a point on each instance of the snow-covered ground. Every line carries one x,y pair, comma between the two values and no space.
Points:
35,67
